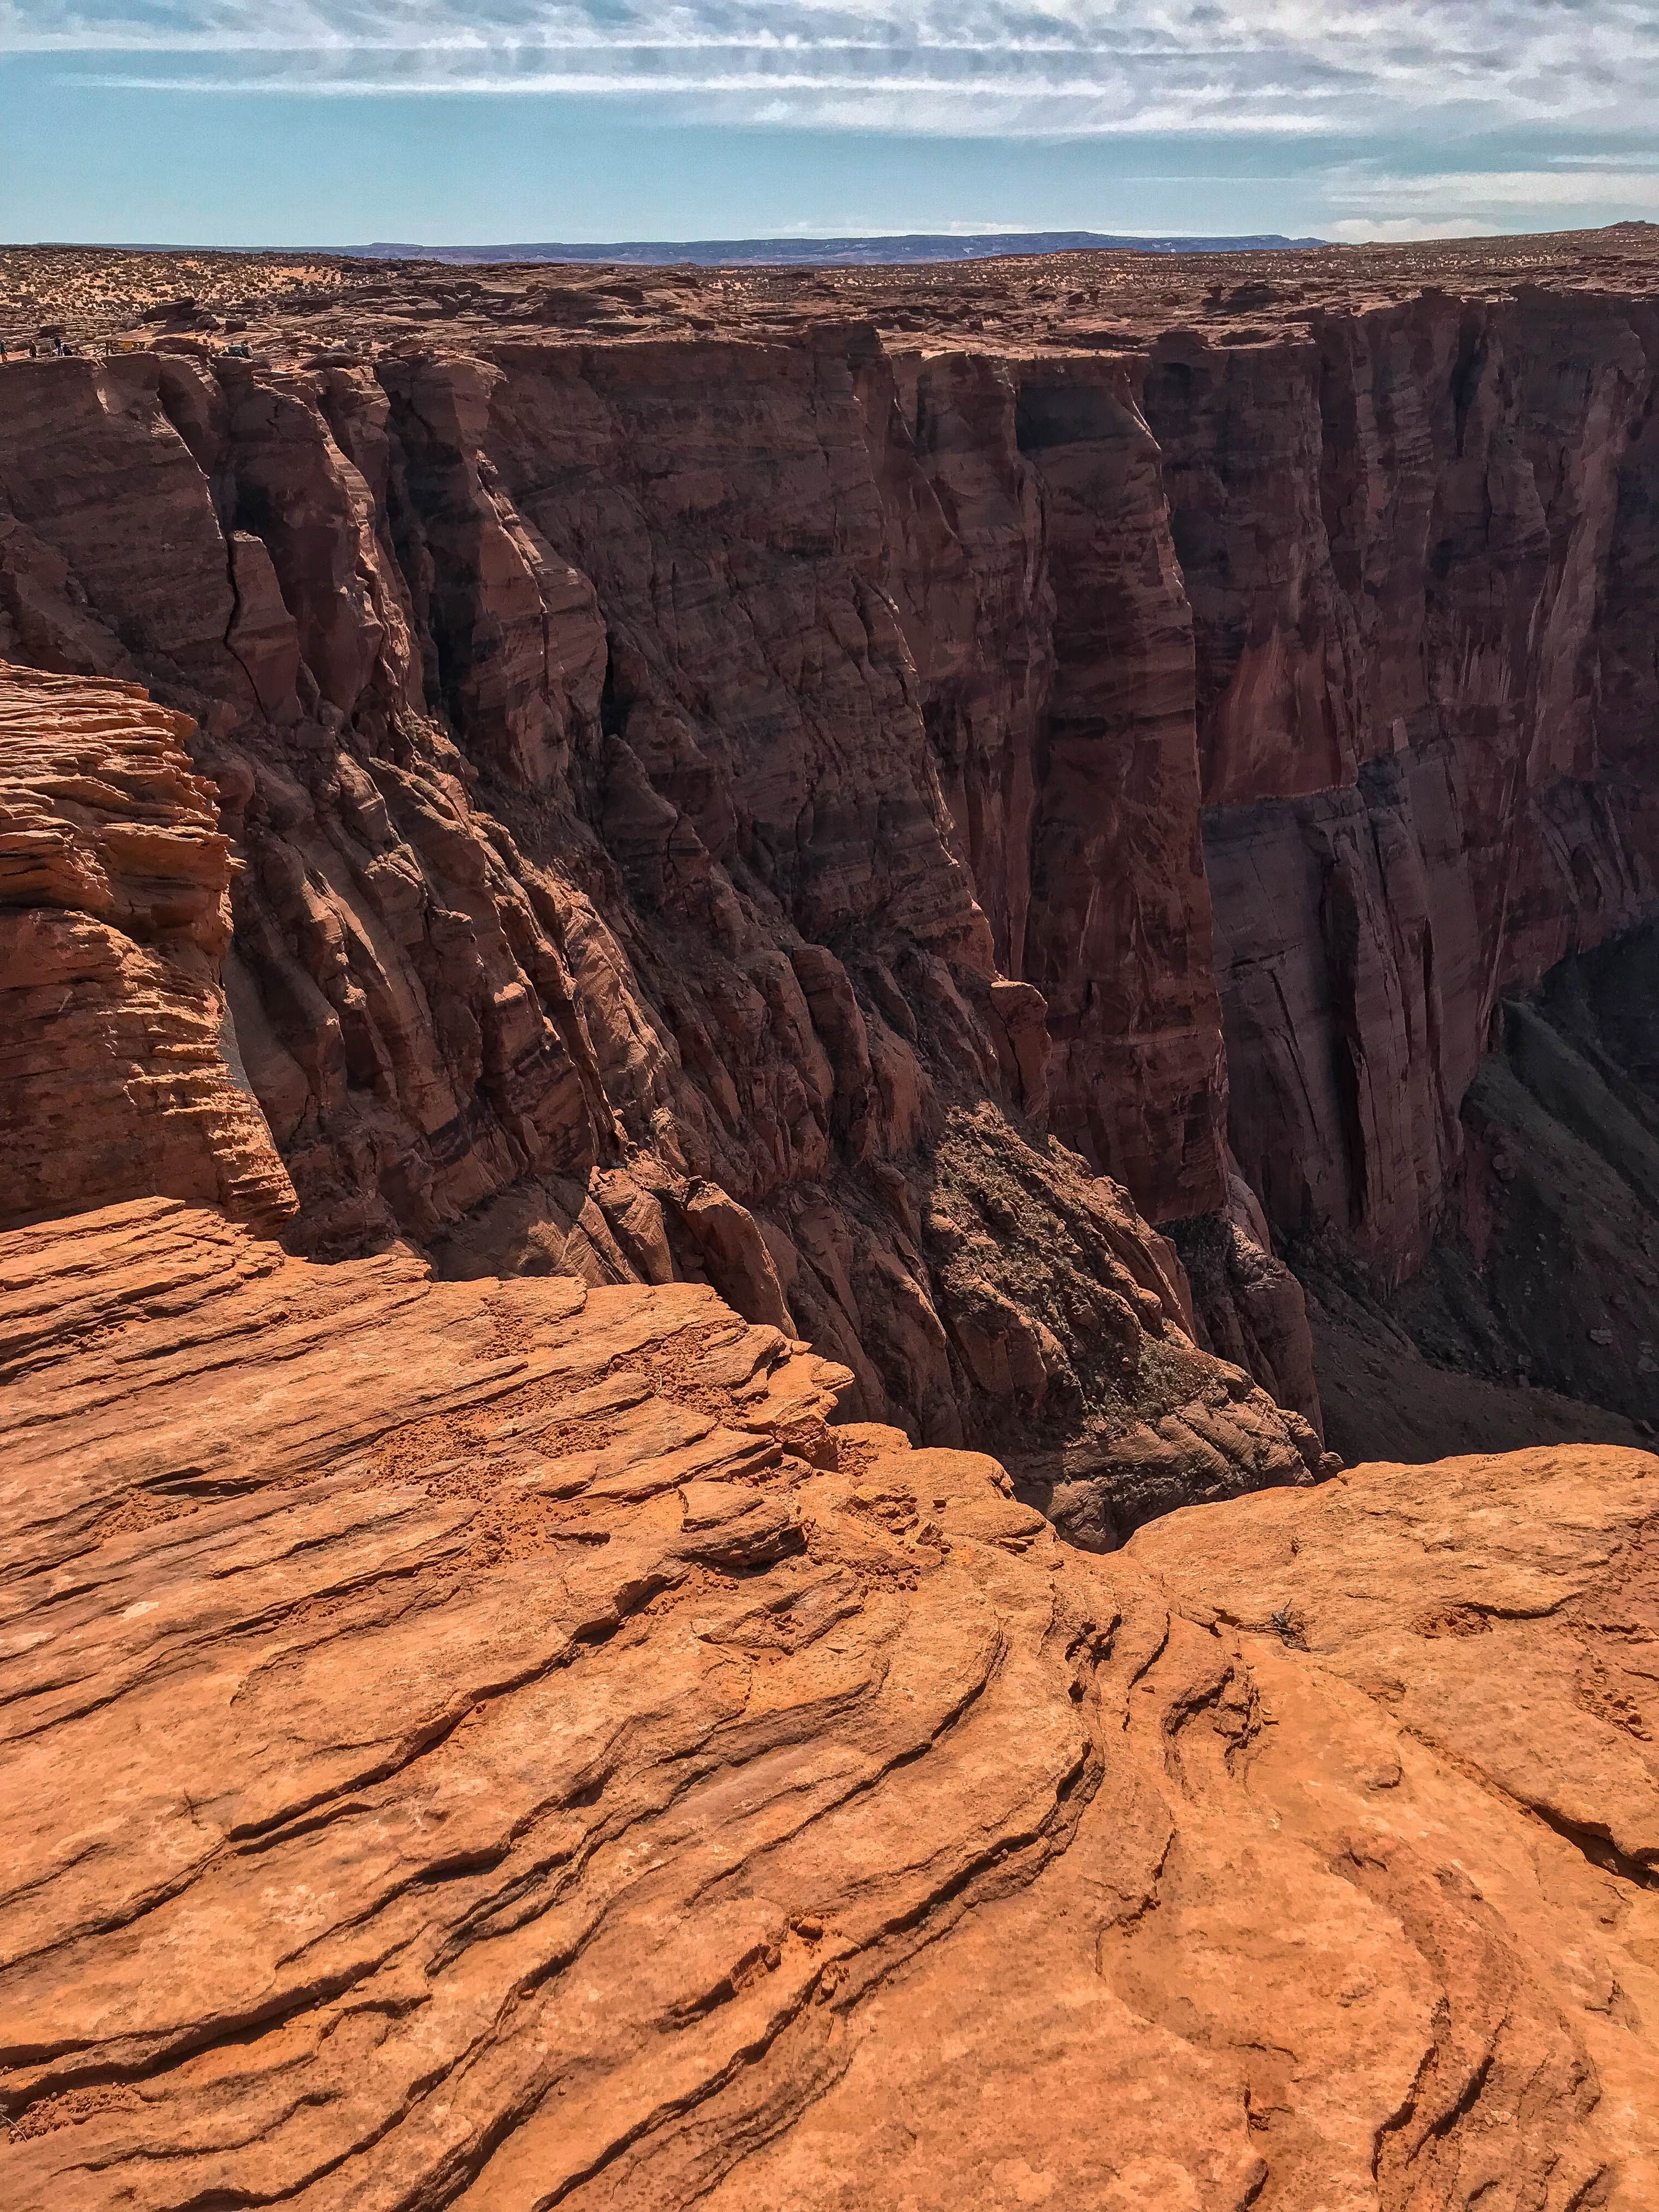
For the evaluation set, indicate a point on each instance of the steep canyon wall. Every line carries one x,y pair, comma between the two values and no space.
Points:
1416,549
818,814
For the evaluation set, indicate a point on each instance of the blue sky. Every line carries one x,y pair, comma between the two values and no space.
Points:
215,122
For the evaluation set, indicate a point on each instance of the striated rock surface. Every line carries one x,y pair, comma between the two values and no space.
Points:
1469,1641
496,1743
114,922
1064,1314
1410,542
747,835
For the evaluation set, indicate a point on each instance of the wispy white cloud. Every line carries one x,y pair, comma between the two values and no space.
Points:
987,105
1283,69
1572,192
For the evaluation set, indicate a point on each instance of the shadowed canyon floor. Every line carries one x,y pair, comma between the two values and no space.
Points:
493,1744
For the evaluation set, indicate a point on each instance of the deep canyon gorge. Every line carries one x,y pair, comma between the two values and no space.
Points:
749,965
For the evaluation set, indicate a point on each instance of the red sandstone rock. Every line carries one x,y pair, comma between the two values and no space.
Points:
1063,1358
1118,938
457,1021
114,918
599,684
1407,540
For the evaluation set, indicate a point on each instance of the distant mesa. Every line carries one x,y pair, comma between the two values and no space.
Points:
826,252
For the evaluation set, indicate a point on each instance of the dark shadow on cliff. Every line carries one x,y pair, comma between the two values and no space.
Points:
1535,1317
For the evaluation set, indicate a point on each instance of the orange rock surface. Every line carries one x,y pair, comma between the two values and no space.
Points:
503,1740
495,1744
123,1091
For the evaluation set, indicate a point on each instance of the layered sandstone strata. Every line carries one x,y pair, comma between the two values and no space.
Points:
584,927
701,748
122,1091
497,1743
1417,549
117,1048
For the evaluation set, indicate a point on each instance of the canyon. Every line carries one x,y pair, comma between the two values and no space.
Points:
805,781
828,1222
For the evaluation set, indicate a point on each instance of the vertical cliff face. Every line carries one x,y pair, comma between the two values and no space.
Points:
602,909
802,814
1120,942
1413,546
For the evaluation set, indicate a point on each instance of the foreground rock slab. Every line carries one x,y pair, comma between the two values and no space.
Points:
501,1744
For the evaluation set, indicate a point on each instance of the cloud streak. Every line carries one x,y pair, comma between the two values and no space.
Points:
1374,201
1483,109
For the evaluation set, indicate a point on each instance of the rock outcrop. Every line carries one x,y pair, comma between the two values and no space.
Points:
1064,1314
491,1714
499,1743
117,1052
1416,549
